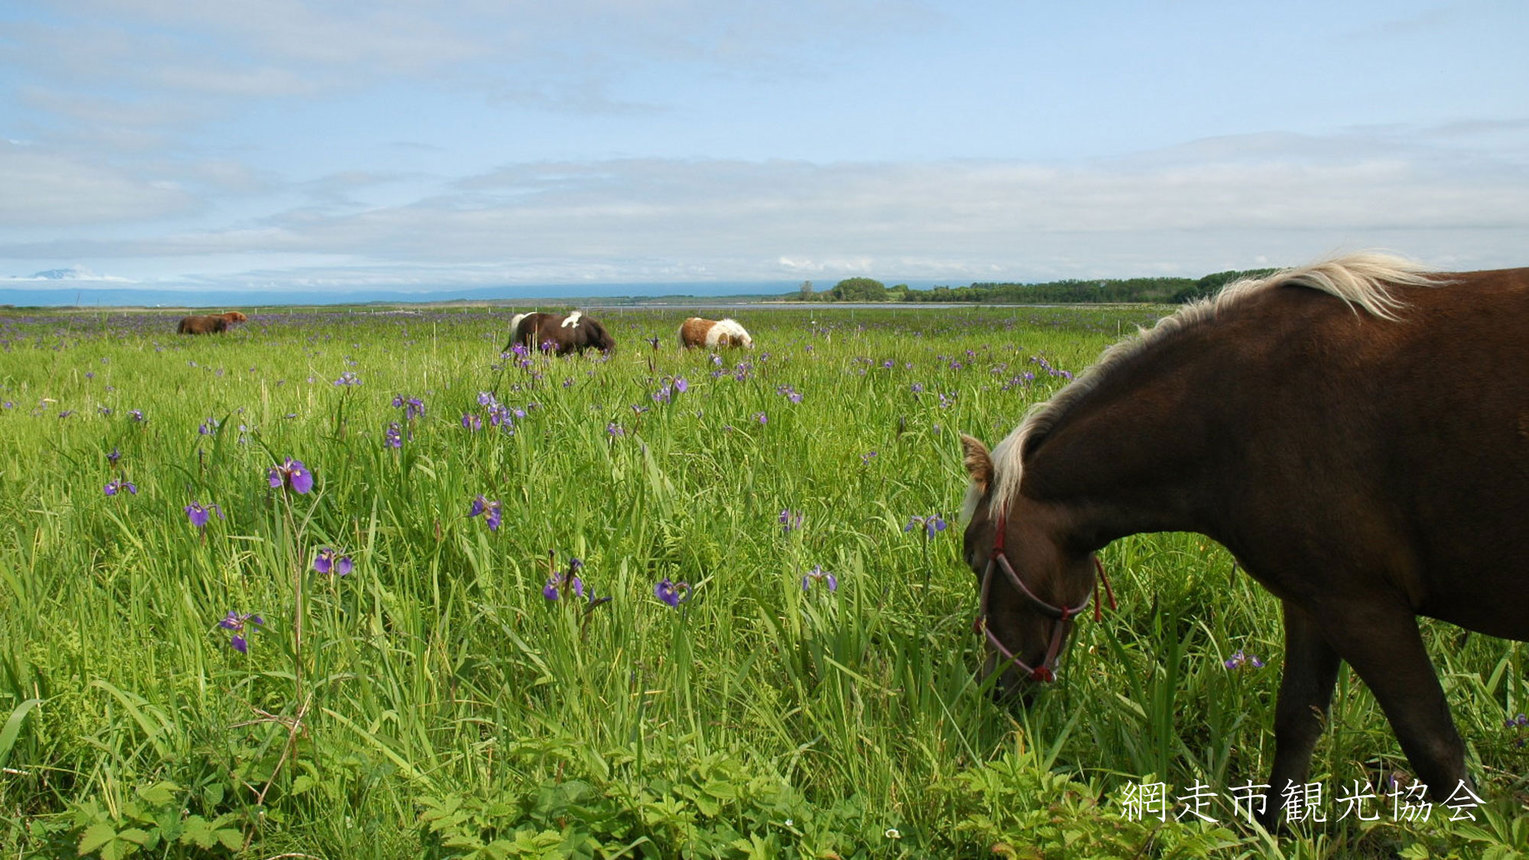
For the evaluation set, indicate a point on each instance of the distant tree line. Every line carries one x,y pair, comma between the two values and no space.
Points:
1070,291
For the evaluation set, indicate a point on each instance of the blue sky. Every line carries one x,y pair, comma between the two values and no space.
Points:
336,147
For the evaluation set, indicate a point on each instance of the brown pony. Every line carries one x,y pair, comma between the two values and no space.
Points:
559,334
712,334
1357,434
203,325
211,324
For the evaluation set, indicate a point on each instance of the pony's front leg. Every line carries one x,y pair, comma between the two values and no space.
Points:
1305,692
1384,646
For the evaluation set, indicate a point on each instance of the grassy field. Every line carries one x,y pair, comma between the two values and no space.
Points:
767,653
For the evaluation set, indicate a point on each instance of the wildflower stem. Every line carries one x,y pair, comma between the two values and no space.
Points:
926,565
297,598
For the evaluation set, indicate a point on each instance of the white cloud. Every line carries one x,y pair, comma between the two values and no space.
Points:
1210,205
44,188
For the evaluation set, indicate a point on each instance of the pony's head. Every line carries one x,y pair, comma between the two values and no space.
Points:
734,334
235,317
595,335
1031,581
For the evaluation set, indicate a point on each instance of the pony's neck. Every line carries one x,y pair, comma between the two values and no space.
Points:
1127,458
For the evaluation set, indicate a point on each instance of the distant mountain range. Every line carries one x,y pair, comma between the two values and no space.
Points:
59,274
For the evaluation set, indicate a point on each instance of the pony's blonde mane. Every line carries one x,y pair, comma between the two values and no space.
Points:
1362,281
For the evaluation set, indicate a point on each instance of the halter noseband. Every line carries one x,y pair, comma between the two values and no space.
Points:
1063,615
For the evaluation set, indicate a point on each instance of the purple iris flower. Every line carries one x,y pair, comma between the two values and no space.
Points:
393,436
114,456
818,574
932,525
236,622
672,593
328,562
790,521
120,486
413,407
1240,660
559,584
292,474
199,515
472,421
491,510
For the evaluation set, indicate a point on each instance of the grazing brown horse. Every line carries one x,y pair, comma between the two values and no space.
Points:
559,334
203,325
1356,433
713,334
210,324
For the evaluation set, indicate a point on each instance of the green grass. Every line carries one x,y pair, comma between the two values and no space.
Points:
434,703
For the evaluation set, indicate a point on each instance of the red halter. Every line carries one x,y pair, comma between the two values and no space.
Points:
1063,615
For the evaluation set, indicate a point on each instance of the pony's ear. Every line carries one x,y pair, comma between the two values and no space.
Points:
979,465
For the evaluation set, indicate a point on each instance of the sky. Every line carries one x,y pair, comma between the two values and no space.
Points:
333,147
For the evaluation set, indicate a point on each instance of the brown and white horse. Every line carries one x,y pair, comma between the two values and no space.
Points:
559,334
1357,434
713,334
209,324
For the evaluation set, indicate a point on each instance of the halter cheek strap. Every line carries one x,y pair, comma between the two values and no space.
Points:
1063,615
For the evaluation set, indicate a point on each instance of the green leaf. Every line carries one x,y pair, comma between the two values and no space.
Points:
708,806
95,836
196,831
161,793
12,727
135,836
